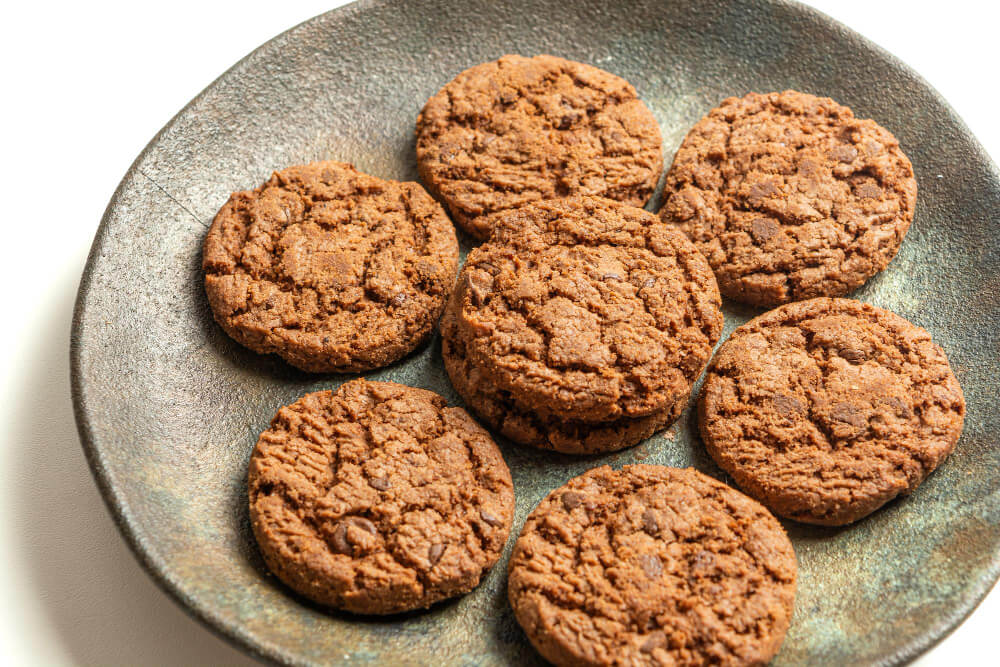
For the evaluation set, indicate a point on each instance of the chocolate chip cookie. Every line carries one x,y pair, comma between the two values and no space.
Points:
652,566
378,498
498,409
586,309
518,130
331,269
790,196
827,409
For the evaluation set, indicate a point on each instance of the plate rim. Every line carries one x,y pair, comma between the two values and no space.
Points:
233,633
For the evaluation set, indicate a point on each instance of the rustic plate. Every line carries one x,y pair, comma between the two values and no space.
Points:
169,407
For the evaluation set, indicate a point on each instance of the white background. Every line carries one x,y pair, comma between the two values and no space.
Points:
85,85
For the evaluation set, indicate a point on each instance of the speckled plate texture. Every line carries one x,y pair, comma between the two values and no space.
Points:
169,407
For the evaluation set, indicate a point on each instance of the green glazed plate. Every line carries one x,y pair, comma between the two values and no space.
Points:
169,407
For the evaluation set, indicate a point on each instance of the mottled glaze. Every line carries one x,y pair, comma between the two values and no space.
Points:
169,407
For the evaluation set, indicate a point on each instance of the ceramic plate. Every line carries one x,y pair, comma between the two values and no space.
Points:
169,407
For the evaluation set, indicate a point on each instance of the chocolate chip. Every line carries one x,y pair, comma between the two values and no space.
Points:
362,523
434,553
761,191
844,153
341,543
649,522
848,414
898,406
571,499
786,406
868,191
651,565
380,483
653,642
489,518
479,285
762,229
853,356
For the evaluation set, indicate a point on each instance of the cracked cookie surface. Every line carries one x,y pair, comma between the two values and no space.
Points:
790,196
652,565
515,130
826,409
331,269
498,409
378,498
587,309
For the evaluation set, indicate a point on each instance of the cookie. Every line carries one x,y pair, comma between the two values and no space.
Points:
827,409
332,269
378,498
652,565
790,196
518,130
587,309
497,409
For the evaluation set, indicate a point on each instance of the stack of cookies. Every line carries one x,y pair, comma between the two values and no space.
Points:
580,325
582,322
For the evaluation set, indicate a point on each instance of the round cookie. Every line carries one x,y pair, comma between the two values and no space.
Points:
497,409
331,269
378,498
517,130
790,196
652,565
827,409
587,309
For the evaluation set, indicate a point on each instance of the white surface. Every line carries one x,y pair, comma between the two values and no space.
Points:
85,86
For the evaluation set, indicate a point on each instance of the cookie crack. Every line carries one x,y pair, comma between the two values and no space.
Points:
174,199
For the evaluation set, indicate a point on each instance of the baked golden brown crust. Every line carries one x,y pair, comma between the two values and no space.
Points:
516,130
331,269
826,409
378,498
790,196
652,566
